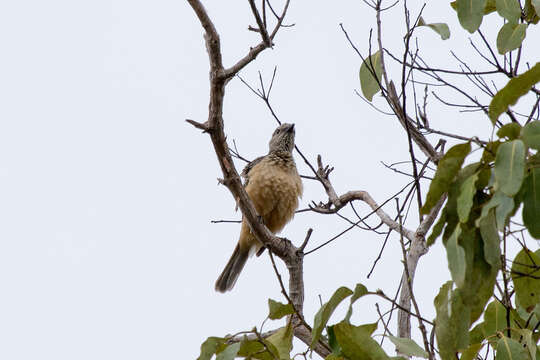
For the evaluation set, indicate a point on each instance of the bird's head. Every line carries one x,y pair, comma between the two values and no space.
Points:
282,138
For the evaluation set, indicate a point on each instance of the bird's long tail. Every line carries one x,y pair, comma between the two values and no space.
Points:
236,263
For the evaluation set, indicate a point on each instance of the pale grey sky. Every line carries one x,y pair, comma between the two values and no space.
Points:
106,194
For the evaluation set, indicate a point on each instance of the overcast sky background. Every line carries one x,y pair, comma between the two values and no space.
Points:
106,193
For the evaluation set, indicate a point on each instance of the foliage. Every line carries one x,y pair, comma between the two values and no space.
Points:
516,88
475,212
370,75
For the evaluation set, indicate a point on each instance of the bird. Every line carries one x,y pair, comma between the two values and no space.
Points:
274,186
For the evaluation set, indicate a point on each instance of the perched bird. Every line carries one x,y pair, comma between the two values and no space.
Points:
274,186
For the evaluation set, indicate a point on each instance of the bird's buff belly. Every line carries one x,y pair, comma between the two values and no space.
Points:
275,197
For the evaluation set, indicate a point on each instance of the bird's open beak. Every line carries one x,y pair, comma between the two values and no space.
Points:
291,128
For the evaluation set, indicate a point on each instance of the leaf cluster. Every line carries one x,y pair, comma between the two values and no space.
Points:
482,198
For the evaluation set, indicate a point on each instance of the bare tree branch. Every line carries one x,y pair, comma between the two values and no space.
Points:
262,26
283,248
408,286
416,251
365,197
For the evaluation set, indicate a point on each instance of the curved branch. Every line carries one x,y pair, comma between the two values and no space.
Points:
366,197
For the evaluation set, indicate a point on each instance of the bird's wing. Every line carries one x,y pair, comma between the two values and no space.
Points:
245,173
247,169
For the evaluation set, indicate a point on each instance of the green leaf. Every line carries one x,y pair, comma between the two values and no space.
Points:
503,210
531,15
503,205
531,203
524,319
528,341
490,236
490,150
526,277
357,344
368,82
480,276
470,13
465,198
437,229
368,328
451,323
523,316
446,172
324,313
452,219
440,28
456,258
255,349
332,341
408,347
483,178
359,291
229,353
334,357
531,134
282,340
516,88
476,335
536,5
510,130
278,310
471,352
509,9
537,311
510,167
510,37
270,353
209,347
530,12
509,349
494,320
489,8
